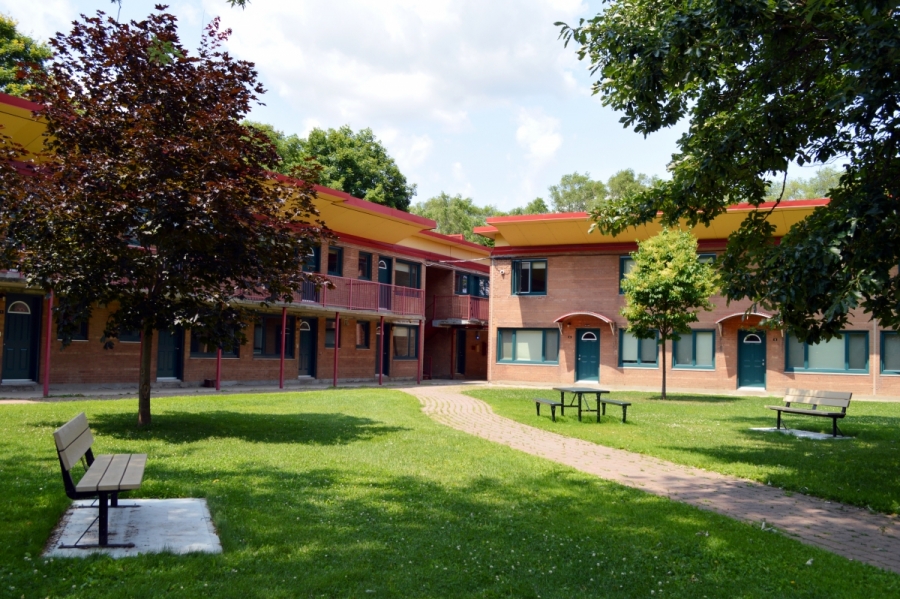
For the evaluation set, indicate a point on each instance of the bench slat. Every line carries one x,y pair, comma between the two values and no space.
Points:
808,412
823,394
135,472
92,478
818,401
70,431
114,473
616,402
77,448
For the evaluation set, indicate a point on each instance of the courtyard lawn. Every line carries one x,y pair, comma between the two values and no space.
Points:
713,432
356,493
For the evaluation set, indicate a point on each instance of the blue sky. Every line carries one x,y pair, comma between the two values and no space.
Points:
470,97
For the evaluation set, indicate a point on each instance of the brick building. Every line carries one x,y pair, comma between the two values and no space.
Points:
407,302
554,318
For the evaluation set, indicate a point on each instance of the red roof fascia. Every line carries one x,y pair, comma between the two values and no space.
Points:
625,246
20,103
522,218
412,253
456,239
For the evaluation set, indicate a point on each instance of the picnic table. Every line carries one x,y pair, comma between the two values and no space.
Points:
578,400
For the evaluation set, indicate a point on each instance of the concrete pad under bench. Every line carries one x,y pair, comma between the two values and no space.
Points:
801,434
158,525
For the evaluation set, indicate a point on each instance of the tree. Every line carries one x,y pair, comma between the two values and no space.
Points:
666,288
18,52
456,215
763,85
152,197
358,164
817,186
577,193
535,206
288,147
625,184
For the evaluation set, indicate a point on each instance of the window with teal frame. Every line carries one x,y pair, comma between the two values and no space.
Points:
529,277
849,353
626,265
528,346
638,353
696,349
706,258
890,353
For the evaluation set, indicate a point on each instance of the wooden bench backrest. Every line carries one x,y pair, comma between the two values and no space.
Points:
73,439
831,399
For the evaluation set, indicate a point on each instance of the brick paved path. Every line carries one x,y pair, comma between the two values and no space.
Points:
848,531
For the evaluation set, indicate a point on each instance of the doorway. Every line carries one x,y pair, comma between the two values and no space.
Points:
587,355
21,337
460,351
307,354
383,357
751,359
385,277
169,354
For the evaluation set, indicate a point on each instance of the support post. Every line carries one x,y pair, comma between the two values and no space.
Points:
47,342
337,344
420,342
452,353
381,351
218,369
283,341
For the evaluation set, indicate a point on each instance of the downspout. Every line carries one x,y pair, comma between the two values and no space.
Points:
48,337
337,344
420,342
452,353
876,346
381,351
283,338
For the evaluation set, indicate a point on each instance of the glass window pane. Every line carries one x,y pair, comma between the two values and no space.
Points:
648,351
401,342
528,346
627,265
538,277
857,357
506,345
401,275
524,277
551,346
795,353
258,339
827,355
629,348
684,355
364,268
705,340
890,352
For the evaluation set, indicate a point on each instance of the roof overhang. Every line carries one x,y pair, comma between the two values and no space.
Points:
598,316
742,316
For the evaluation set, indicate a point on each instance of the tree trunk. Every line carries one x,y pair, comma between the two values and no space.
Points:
144,385
664,367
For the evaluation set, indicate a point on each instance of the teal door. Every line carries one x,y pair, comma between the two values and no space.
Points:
308,328
169,354
751,359
587,354
385,274
20,339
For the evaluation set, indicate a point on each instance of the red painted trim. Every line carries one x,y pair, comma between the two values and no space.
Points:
785,204
620,247
592,314
409,252
525,218
48,340
20,103
741,314
457,240
483,230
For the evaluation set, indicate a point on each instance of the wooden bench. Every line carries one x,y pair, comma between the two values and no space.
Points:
105,475
826,399
623,404
547,402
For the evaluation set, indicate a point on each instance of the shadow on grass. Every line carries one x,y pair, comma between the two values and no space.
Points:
700,399
189,427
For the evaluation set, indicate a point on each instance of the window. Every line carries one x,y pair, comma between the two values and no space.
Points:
267,337
406,342
529,277
362,335
706,258
330,332
201,349
336,261
697,349
311,262
850,353
406,274
530,346
890,353
637,352
626,265
364,268
81,334
467,284
130,336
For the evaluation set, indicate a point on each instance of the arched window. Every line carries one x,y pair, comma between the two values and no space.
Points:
752,338
304,326
19,308
382,265
589,337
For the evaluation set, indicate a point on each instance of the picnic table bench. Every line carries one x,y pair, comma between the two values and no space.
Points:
547,402
826,399
105,475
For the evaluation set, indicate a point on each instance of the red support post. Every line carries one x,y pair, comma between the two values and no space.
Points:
47,341
283,341
218,369
381,351
421,349
337,344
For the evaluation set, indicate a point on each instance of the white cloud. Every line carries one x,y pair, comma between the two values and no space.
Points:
539,135
42,19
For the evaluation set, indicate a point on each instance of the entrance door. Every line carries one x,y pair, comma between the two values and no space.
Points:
587,355
20,340
308,328
168,354
385,272
751,359
460,351
383,358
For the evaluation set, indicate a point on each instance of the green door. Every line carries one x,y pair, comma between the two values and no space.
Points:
169,353
20,338
385,274
587,354
308,328
751,359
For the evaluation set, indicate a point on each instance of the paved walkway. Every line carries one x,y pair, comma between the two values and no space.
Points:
848,531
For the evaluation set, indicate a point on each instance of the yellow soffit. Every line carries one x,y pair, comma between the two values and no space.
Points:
574,231
19,125
345,214
443,247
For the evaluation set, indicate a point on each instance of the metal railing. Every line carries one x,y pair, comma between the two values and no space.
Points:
461,307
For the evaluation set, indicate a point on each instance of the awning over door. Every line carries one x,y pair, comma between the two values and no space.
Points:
609,321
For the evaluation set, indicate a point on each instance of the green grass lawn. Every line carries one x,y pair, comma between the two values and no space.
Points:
713,432
356,493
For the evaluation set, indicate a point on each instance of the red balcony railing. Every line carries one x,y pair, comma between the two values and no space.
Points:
354,294
461,307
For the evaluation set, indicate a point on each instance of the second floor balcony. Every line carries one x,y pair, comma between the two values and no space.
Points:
460,309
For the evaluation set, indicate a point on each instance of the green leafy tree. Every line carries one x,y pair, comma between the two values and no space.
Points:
577,193
18,52
626,183
456,215
358,164
288,147
763,85
152,197
535,206
666,288
817,186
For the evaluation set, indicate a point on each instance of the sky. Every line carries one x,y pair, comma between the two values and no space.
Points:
470,97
